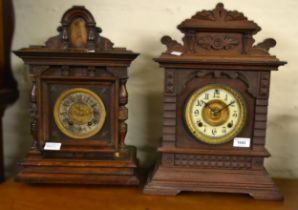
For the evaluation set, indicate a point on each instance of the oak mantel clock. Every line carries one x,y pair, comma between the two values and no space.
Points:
215,108
78,102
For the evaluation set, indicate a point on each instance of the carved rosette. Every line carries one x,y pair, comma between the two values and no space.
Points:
216,42
218,48
206,32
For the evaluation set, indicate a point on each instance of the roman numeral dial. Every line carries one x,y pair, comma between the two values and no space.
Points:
217,118
79,113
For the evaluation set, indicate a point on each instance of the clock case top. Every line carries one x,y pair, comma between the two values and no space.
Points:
218,48
219,39
79,57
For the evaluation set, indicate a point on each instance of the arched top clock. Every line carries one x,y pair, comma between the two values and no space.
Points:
79,99
78,30
215,107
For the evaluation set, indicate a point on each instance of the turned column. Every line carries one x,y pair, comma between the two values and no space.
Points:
123,112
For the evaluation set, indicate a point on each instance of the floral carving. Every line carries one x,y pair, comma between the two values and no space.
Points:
205,15
234,15
219,13
209,42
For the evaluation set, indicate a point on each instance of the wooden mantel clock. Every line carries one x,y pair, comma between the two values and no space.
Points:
215,108
78,107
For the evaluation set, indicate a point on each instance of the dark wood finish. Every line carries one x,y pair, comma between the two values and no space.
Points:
217,48
28,197
79,58
8,87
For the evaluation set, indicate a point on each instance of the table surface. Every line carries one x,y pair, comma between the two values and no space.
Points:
17,196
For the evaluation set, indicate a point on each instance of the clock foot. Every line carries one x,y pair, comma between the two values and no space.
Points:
156,188
173,180
274,194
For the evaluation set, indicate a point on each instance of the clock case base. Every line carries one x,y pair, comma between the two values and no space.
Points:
173,180
39,168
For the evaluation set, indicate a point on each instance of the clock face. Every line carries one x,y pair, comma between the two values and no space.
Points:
215,114
79,113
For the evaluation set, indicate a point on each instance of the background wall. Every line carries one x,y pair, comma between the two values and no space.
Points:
139,25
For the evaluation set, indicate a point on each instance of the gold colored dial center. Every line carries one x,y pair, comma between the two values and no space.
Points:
215,113
80,113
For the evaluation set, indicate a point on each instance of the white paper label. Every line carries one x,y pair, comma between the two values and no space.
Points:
52,146
241,142
177,53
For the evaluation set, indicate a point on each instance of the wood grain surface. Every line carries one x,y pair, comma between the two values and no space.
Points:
15,196
217,49
74,61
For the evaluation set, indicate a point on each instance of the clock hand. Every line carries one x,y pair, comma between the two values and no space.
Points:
218,111
206,104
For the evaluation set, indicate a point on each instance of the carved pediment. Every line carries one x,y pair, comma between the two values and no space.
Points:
78,42
218,32
219,19
78,31
219,13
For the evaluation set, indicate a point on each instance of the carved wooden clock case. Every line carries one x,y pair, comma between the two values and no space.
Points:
216,91
78,100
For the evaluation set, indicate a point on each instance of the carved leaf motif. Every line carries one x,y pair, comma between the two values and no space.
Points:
205,42
209,42
230,42
219,13
204,15
234,15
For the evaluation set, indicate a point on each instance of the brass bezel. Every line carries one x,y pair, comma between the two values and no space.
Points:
215,140
102,110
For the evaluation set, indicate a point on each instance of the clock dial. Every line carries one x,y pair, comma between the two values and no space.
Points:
215,114
79,113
